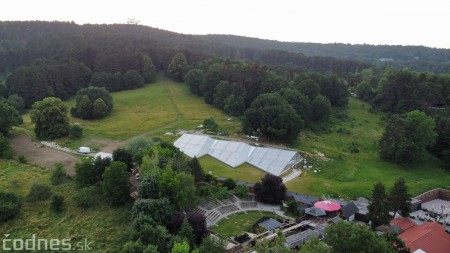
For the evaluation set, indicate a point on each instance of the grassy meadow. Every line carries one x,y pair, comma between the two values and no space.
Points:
353,174
106,228
169,106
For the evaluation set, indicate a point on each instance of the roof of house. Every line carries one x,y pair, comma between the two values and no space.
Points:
300,238
270,224
429,237
349,209
309,200
335,220
403,223
315,211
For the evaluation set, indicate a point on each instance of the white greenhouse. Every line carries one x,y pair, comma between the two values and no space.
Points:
271,160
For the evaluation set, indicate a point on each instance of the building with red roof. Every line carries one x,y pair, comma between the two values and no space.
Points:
403,223
430,237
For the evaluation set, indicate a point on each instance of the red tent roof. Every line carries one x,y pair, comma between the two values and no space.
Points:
328,206
429,236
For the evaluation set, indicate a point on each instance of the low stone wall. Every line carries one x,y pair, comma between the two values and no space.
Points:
438,193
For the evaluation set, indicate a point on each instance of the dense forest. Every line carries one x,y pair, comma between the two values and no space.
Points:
418,58
277,92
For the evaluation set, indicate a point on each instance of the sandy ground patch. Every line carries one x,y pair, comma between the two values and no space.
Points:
41,155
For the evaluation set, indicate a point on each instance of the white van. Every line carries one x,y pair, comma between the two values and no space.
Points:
84,150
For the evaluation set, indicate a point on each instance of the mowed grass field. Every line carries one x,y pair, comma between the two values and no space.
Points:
153,109
237,224
244,172
352,175
105,227
156,108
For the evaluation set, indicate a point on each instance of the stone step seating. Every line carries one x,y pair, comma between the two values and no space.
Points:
249,204
199,210
229,201
212,216
228,209
247,198
211,204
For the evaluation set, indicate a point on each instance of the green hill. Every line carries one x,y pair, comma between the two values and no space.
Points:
343,173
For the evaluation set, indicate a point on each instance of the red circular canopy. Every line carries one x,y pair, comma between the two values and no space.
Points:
328,206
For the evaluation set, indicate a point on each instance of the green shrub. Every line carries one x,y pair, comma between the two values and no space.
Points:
85,197
22,159
39,192
353,148
223,193
229,183
59,174
57,204
241,191
75,131
10,205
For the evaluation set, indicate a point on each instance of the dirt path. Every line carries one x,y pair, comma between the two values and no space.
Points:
116,144
40,155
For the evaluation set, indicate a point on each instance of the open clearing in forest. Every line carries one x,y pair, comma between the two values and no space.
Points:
164,106
167,106
352,175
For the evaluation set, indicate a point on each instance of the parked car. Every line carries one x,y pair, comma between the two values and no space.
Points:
84,150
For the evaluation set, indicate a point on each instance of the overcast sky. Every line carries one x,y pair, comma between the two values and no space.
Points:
393,22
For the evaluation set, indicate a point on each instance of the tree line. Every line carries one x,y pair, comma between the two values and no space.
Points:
274,107
417,108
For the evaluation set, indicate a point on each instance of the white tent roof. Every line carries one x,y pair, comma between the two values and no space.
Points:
232,153
194,145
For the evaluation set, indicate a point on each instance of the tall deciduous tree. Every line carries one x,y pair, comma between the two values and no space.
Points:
320,109
50,118
9,116
196,169
212,244
270,190
187,233
379,206
88,97
133,79
352,237
399,198
194,79
176,66
99,109
314,245
85,108
123,155
116,183
148,69
274,117
298,101
406,137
